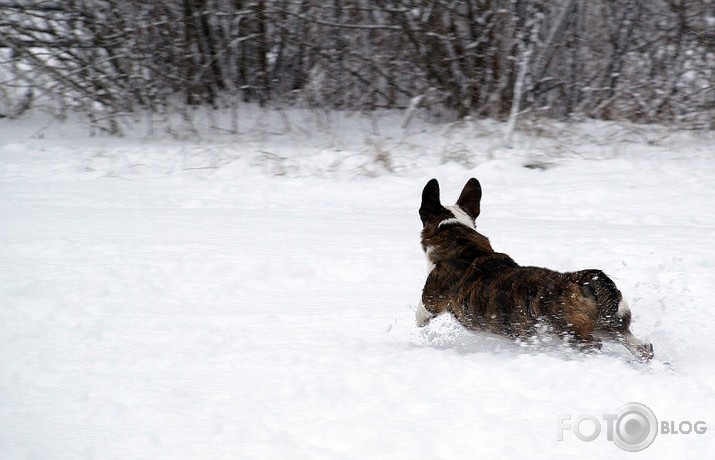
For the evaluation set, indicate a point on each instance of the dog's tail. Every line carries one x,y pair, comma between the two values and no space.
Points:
613,312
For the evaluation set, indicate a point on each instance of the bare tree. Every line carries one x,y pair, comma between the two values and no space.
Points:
638,60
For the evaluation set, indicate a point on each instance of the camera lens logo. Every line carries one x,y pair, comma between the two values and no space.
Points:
635,428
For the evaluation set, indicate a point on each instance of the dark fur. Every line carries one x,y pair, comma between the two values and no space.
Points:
487,290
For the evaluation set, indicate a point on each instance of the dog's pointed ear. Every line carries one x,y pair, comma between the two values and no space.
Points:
430,200
470,198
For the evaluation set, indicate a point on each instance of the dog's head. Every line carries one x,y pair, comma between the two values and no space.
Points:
446,229
464,212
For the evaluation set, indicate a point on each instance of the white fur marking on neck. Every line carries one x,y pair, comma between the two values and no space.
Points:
460,217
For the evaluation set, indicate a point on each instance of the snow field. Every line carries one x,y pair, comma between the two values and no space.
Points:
166,299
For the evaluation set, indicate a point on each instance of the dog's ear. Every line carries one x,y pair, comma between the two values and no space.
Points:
430,201
470,198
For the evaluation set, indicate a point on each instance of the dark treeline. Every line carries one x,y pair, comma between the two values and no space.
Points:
638,60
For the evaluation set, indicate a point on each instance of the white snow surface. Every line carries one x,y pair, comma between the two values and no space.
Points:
253,295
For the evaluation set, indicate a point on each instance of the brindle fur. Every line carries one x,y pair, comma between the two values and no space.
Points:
487,290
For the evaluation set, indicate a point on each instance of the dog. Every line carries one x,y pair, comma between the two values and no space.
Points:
487,291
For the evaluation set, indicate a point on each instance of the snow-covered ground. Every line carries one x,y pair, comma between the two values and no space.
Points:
252,295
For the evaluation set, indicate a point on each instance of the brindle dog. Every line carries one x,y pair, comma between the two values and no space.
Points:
487,290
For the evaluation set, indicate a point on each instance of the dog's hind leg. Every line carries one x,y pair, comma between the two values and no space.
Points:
641,350
620,332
